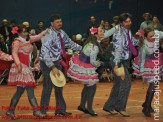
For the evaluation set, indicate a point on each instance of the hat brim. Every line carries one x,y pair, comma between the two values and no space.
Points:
58,81
150,16
121,72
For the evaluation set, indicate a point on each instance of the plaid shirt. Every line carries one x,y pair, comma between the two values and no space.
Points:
51,47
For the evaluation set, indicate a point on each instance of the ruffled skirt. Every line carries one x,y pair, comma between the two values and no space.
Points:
152,68
24,78
84,72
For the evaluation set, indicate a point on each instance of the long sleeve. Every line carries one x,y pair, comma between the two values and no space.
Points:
110,32
69,43
15,48
160,34
118,48
135,42
93,55
142,55
45,53
36,38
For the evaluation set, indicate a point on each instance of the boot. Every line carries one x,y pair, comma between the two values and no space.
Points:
150,101
11,110
36,111
90,96
150,108
146,105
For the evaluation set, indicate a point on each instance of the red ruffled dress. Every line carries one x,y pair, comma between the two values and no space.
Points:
21,53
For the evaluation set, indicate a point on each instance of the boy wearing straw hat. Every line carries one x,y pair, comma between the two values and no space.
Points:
147,22
52,49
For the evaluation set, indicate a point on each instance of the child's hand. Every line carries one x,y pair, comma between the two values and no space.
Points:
20,68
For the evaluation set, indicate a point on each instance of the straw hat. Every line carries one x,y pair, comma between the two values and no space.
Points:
78,37
26,24
120,72
150,16
58,81
4,20
115,17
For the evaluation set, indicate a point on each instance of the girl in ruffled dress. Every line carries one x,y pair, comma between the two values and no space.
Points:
83,68
20,73
149,64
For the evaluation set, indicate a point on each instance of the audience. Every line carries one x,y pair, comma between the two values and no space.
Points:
116,21
5,30
107,26
147,22
92,24
156,25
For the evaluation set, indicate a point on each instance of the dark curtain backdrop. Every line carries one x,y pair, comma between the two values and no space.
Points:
76,15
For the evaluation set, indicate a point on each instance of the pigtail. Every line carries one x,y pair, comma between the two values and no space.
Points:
141,43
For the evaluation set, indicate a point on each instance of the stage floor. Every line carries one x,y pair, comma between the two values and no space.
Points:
72,93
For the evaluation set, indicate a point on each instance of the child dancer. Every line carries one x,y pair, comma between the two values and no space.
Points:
83,68
20,73
145,65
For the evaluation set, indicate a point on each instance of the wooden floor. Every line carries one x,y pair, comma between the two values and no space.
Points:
72,93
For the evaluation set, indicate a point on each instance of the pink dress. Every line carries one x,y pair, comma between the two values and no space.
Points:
21,53
83,67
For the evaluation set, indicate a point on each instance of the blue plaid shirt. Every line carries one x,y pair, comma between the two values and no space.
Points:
121,49
51,47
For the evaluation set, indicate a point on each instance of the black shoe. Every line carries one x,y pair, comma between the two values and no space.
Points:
83,110
11,115
150,108
93,114
63,113
39,114
146,112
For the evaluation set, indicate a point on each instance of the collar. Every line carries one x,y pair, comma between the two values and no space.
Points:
106,28
125,30
55,30
22,39
147,22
